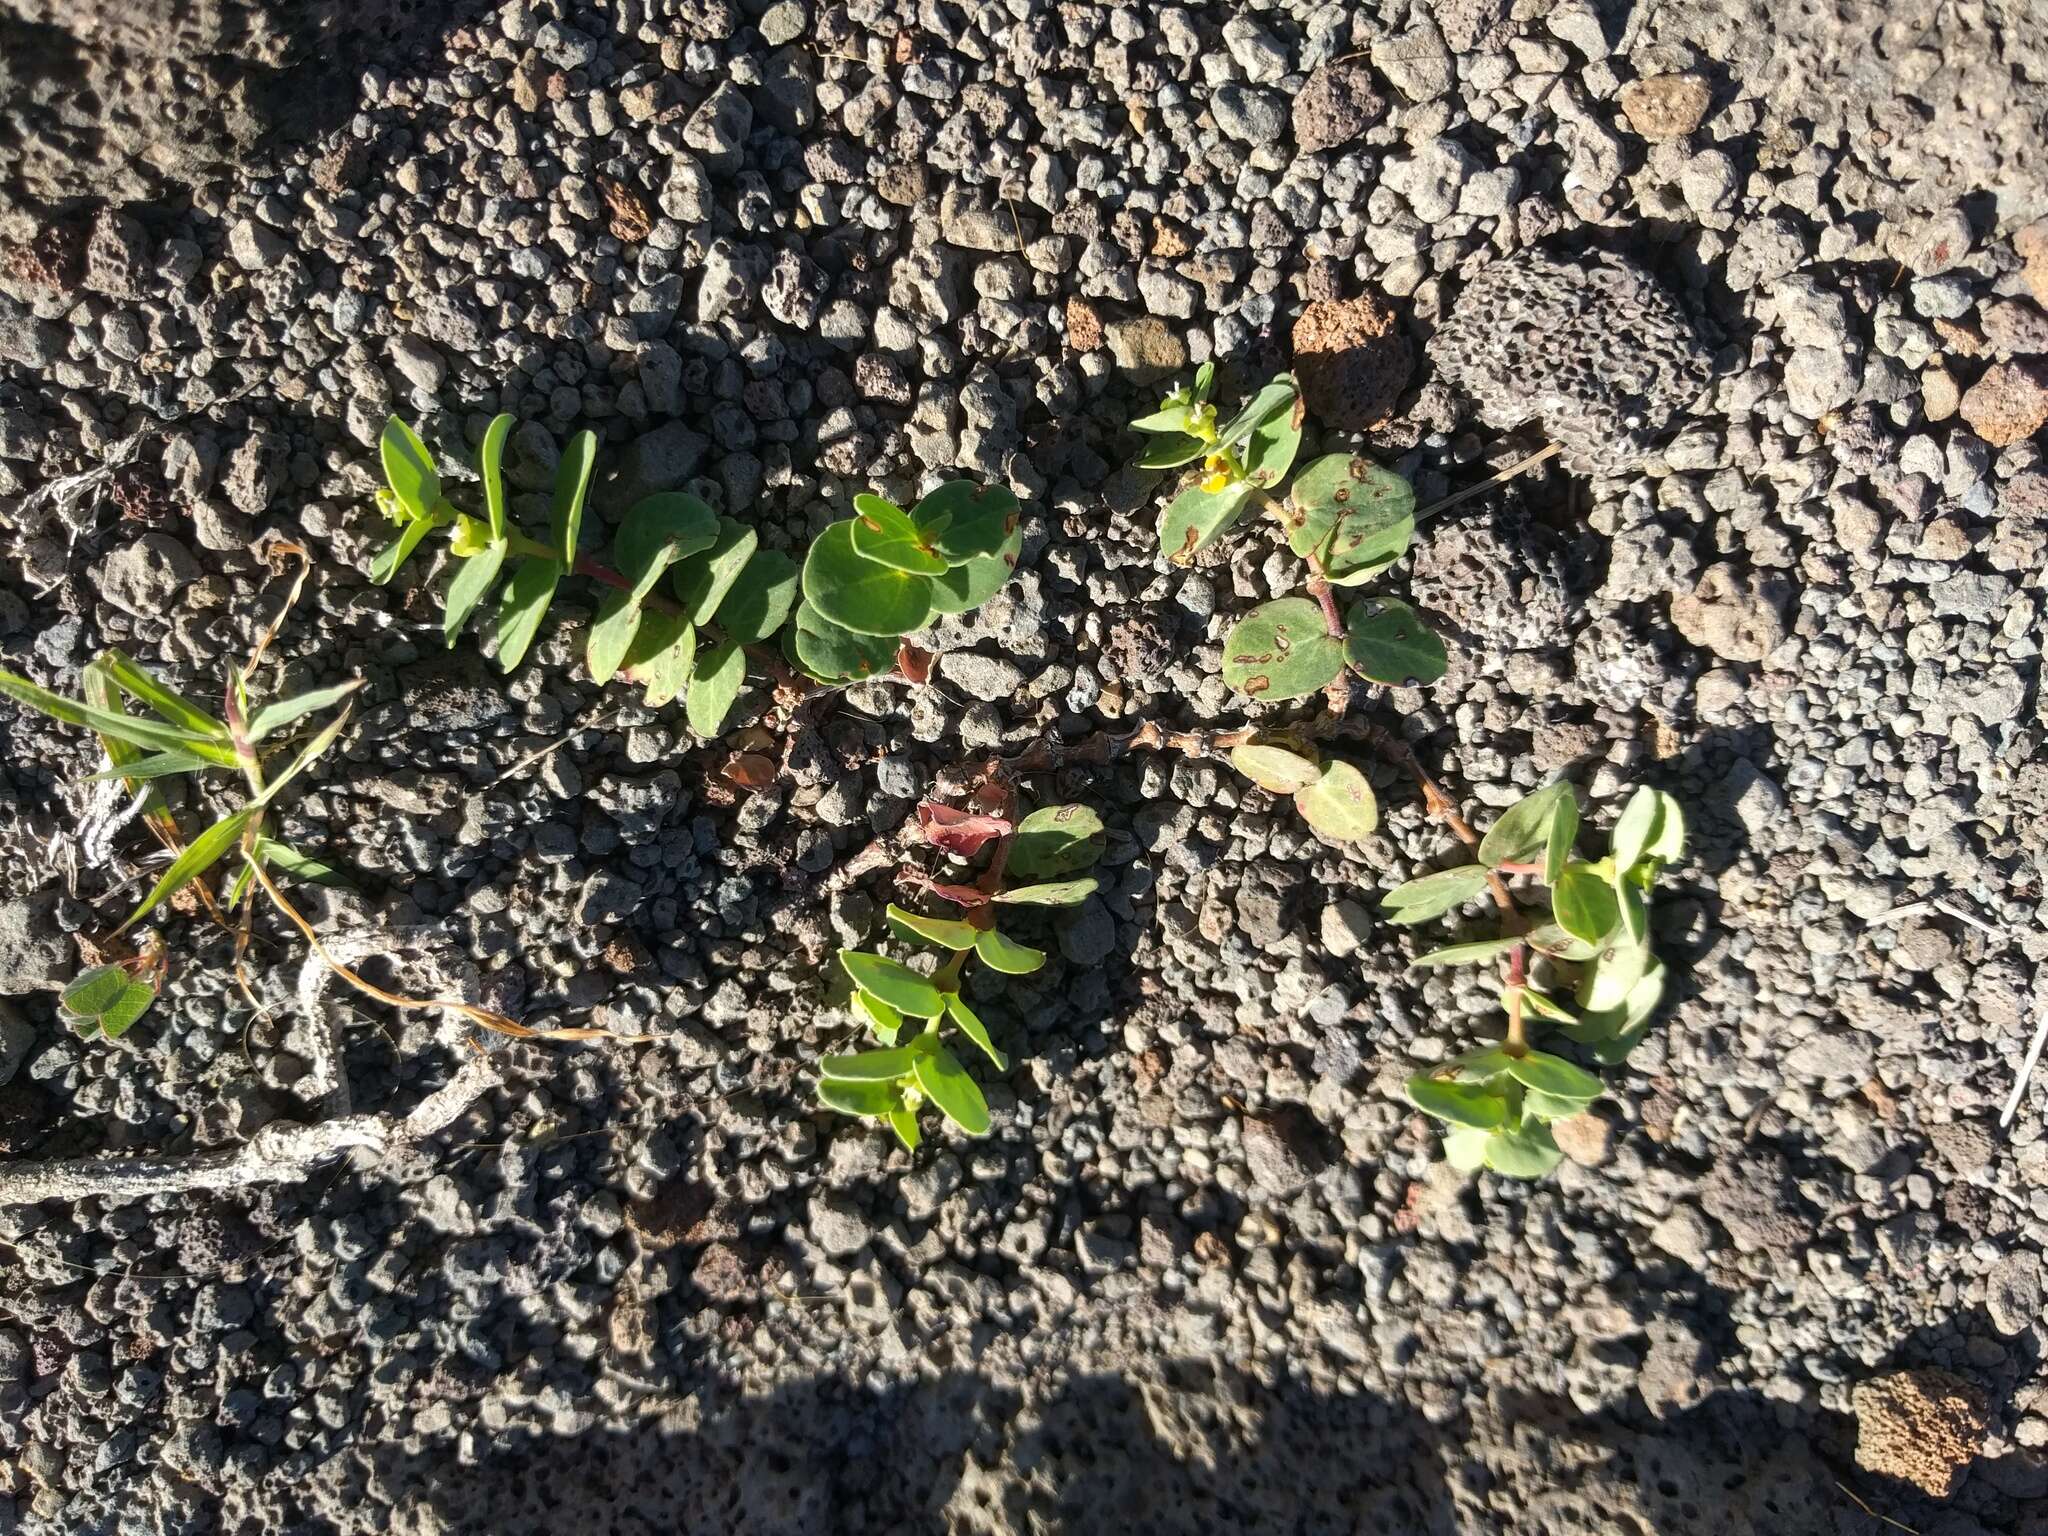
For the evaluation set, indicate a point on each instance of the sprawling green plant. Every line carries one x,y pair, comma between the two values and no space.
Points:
907,1010
867,581
1591,939
1331,794
1348,518
184,739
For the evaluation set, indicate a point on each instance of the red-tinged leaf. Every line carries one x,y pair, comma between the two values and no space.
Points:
963,832
914,663
750,770
959,895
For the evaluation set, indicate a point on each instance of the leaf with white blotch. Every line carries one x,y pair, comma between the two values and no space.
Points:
1051,893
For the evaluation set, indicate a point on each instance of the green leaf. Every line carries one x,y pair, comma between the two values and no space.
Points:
309,754
276,855
1606,981
1007,955
1635,913
883,532
96,683
1668,842
154,765
759,601
971,1026
1470,953
200,855
1275,439
572,485
1053,893
1651,826
1543,1006
145,734
1486,1065
964,520
874,1100
838,655
1562,832
1274,401
281,713
1387,642
611,635
946,932
1433,895
847,589
1624,1022
1528,1152
893,983
701,582
885,1021
1550,939
1458,1103
1555,1076
490,464
658,531
1584,904
1349,516
946,1083
409,471
1196,518
1170,452
715,683
522,604
244,883
661,656
904,1123
106,1000
1281,651
150,691
1526,828
392,557
966,587
1537,1105
883,1066
472,583
1276,768
1168,418
1466,1149
1056,840
1340,804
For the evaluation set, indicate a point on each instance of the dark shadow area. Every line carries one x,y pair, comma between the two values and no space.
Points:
142,100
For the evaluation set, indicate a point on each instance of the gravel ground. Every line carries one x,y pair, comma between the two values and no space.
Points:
1208,1273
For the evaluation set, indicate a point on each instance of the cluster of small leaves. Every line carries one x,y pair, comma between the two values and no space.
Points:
1346,517
690,591
1332,795
907,1010
1597,983
184,739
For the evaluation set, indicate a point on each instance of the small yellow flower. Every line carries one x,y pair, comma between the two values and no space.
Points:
1202,423
471,536
387,503
1220,480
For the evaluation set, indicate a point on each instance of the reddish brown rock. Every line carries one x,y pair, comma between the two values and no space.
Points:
1351,362
2009,404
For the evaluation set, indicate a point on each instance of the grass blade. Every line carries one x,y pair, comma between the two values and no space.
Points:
272,718
148,689
306,758
146,734
203,853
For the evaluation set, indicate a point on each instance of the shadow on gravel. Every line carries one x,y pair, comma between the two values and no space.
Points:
1171,1456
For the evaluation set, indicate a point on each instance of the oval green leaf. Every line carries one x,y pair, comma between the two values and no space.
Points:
1433,895
883,531
1003,954
1054,893
1528,827
963,520
522,604
966,587
1584,904
662,655
572,485
611,634
1056,840
971,1026
1170,452
1196,518
837,655
885,1021
946,932
471,585
408,469
1555,1076
1281,651
883,1066
1276,768
1527,1152
1470,953
894,983
873,1100
847,589
1340,804
701,581
490,466
760,599
946,1083
1481,1109
715,682
1387,642
658,531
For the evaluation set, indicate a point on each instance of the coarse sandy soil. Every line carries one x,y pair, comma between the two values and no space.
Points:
1208,1272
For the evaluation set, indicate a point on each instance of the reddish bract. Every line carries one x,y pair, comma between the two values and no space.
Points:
960,832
